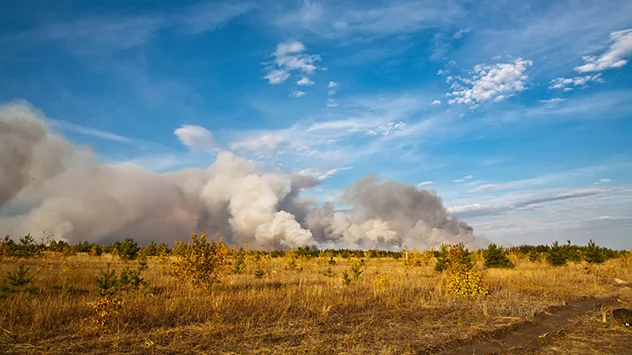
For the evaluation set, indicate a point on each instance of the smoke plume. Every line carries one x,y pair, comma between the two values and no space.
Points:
46,184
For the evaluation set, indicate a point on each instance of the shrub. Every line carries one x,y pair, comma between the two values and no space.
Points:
127,250
150,249
259,273
240,262
106,309
18,281
496,257
130,278
107,282
556,255
593,253
180,248
358,268
24,249
462,278
203,263
534,256
448,255
346,280
96,250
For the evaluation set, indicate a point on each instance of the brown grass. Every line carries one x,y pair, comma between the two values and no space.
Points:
389,309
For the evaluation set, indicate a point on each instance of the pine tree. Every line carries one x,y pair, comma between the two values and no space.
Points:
496,257
593,253
556,255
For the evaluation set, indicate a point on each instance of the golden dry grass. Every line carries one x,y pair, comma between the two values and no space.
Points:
389,309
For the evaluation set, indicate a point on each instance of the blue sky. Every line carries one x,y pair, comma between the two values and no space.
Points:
518,114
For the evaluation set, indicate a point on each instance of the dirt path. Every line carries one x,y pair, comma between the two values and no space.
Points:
524,337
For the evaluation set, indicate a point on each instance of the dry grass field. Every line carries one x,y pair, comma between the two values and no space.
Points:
294,304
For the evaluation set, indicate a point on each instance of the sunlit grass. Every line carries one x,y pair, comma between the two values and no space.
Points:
298,305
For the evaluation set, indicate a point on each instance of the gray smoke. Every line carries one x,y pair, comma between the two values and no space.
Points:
48,185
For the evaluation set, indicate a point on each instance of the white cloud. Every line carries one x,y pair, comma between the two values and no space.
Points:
297,93
305,81
489,82
436,102
331,102
332,88
601,181
289,58
277,76
425,183
467,177
207,17
197,138
387,129
553,100
614,57
567,84
263,145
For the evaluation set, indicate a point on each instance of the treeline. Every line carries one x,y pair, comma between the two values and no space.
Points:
129,249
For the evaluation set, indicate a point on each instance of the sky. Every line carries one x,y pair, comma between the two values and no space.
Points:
518,114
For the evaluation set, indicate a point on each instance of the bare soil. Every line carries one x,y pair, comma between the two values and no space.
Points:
534,336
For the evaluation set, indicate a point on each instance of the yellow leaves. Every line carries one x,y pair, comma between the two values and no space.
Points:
463,280
380,280
203,263
105,309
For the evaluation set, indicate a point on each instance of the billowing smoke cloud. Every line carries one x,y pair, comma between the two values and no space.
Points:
46,184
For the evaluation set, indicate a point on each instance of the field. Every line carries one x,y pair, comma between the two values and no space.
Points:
298,304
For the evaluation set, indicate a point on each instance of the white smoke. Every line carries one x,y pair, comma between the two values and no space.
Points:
48,185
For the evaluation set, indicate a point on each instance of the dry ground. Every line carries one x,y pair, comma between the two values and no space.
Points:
389,309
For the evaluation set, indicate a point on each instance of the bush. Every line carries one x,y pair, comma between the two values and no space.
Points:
462,278
17,281
150,249
496,257
127,250
107,282
24,249
594,254
203,263
556,255
96,250
448,255
534,256
358,268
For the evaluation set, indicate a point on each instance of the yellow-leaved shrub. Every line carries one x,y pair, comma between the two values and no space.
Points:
203,263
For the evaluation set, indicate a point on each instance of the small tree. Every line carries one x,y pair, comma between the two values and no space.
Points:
496,257
203,263
150,249
593,253
462,278
358,268
107,282
556,255
17,281
455,254
128,249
